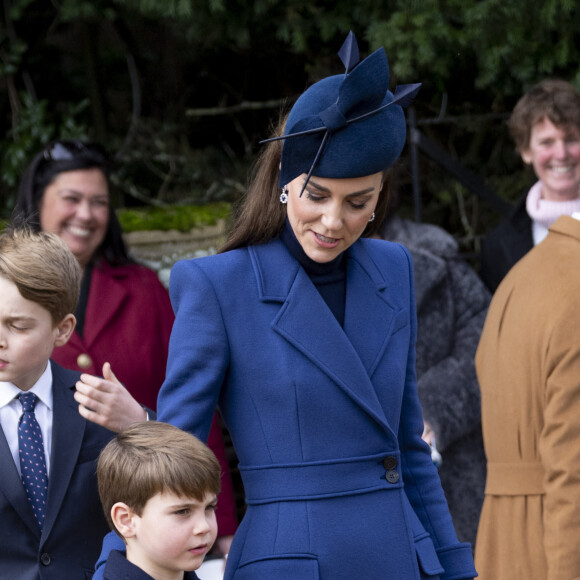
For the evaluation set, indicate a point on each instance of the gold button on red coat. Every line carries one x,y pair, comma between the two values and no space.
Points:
84,361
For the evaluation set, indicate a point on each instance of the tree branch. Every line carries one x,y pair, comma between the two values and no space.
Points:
243,106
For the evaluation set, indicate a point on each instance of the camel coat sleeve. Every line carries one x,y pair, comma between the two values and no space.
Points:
559,445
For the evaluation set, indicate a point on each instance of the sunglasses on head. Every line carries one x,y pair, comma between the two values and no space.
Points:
67,150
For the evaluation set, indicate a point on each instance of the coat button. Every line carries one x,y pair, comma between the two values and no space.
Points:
84,361
390,462
392,476
45,559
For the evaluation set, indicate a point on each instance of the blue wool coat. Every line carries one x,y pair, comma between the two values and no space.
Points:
325,420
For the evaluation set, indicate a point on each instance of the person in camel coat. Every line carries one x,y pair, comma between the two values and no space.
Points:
528,366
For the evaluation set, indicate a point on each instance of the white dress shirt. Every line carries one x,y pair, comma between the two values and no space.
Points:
11,411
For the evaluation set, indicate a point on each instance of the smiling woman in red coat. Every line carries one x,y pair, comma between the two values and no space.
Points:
124,316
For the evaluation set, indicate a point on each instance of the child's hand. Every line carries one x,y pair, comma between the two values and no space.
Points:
105,401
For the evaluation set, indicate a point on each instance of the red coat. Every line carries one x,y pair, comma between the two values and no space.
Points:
128,322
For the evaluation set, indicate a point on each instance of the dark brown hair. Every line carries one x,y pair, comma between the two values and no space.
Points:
553,99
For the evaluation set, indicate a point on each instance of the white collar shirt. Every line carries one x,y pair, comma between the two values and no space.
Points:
11,411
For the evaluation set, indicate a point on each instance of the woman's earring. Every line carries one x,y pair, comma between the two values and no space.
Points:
372,218
284,195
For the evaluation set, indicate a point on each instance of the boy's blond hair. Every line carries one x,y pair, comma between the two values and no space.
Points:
43,269
150,458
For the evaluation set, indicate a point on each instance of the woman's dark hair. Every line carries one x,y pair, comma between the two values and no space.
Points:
260,216
59,157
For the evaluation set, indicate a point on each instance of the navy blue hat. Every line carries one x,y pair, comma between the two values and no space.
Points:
347,125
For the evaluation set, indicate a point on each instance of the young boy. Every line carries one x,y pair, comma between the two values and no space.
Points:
51,519
158,486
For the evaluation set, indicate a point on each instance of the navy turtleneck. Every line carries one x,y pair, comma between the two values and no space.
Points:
329,277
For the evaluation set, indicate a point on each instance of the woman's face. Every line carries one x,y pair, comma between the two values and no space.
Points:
332,213
554,153
75,205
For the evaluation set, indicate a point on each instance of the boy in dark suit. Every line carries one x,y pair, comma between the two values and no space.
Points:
51,519
158,486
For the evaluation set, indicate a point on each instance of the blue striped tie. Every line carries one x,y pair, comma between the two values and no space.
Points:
32,460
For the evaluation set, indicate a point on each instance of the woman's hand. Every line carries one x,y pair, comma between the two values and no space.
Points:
106,402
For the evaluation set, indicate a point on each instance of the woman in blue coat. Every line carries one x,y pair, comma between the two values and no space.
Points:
304,335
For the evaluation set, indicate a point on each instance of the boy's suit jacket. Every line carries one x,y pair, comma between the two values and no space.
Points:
75,524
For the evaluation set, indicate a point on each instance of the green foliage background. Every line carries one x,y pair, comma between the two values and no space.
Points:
177,217
181,91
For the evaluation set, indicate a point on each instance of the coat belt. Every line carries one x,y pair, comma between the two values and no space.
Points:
517,478
321,479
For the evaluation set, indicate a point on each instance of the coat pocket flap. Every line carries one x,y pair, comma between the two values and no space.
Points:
427,557
303,566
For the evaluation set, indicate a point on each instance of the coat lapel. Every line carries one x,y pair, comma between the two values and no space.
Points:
346,356
370,319
11,486
68,429
107,296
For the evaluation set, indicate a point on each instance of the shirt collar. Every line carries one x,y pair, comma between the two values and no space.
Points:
42,389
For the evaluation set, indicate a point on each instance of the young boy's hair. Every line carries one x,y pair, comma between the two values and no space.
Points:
43,269
150,458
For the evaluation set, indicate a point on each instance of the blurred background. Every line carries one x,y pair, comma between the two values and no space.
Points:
181,91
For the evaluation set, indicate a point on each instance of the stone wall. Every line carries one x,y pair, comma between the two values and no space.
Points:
160,250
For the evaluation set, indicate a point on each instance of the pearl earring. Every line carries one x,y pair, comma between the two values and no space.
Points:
372,218
284,195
